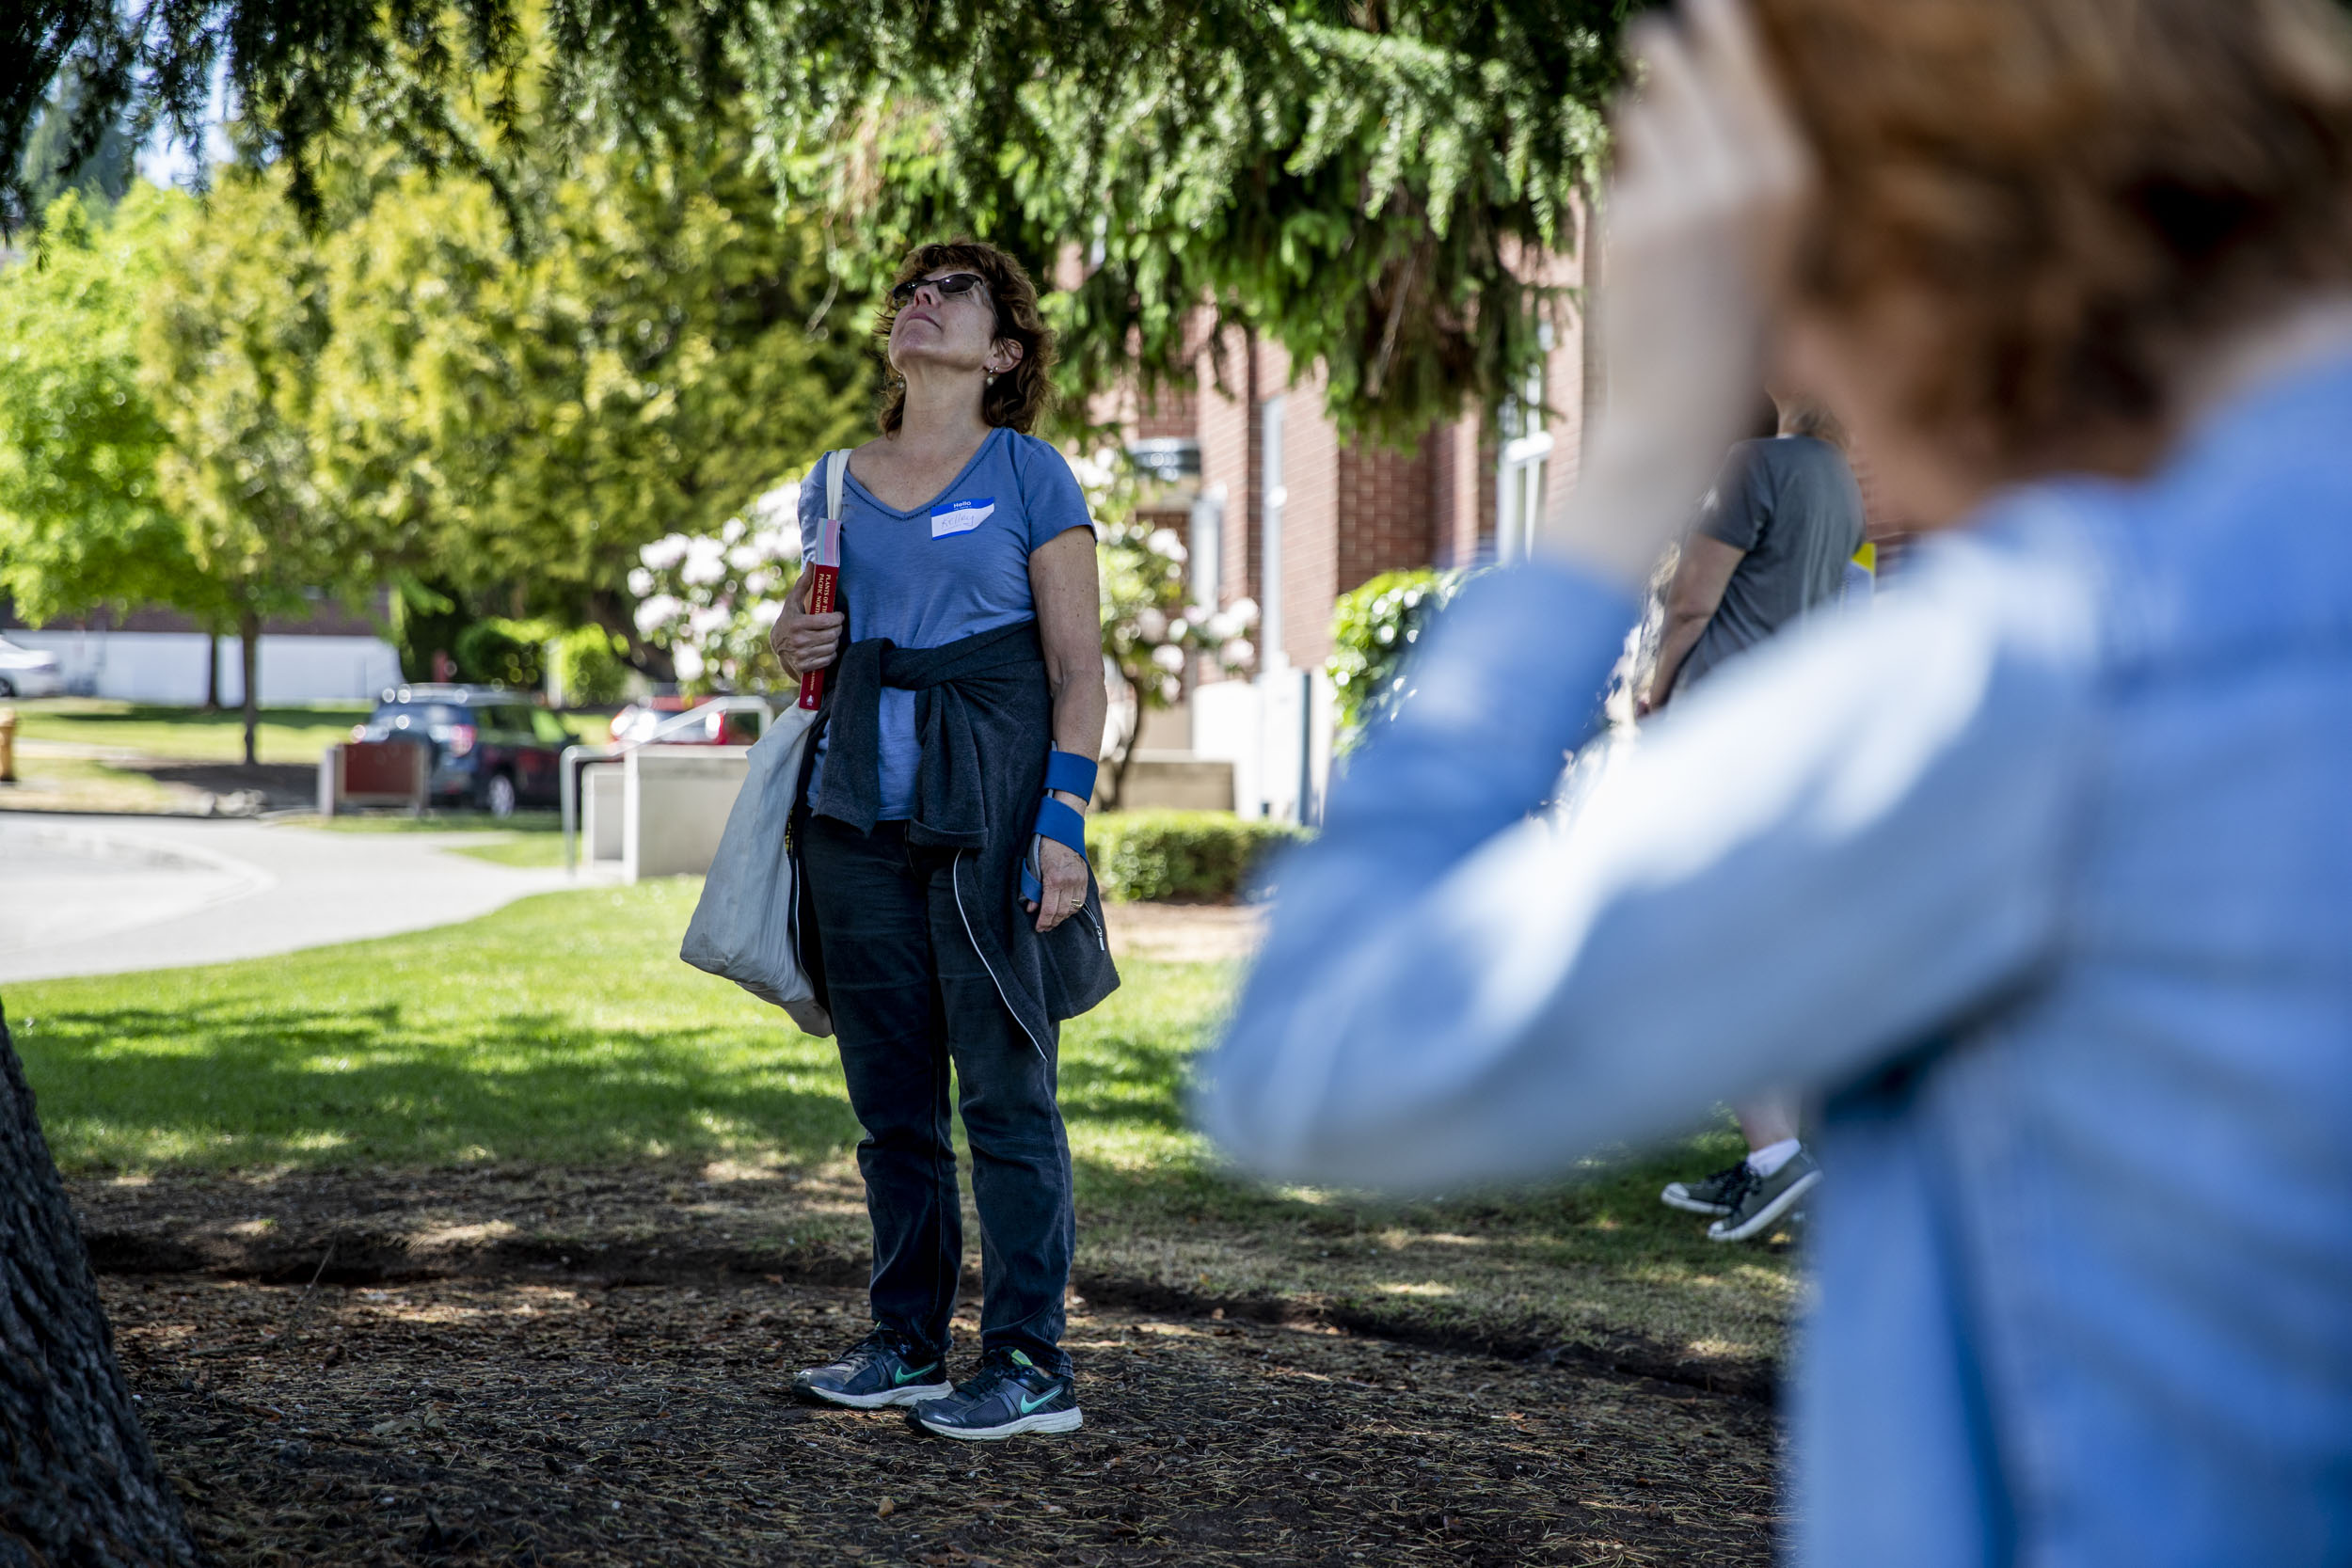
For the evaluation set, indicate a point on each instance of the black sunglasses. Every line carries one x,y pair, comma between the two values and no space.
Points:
946,288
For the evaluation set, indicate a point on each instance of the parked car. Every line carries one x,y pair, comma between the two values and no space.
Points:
636,723
28,671
492,748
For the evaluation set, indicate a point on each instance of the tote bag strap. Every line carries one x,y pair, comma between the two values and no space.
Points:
836,469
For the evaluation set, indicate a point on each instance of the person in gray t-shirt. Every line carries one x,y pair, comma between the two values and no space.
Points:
1773,543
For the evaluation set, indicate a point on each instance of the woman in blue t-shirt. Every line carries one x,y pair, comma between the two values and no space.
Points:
954,921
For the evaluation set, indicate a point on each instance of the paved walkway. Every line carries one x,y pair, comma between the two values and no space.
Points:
106,894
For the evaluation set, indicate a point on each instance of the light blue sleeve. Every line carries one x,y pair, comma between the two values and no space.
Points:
1810,863
1051,499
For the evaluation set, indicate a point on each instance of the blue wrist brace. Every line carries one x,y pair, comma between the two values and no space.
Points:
1057,819
1071,773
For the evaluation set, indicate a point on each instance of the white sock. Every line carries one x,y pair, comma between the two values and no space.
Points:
1769,1159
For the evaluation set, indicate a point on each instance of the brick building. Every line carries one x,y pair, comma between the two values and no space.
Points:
1277,509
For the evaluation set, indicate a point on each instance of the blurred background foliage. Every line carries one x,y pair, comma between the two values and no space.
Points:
1354,179
488,300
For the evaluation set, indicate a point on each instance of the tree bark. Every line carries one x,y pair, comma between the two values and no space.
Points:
212,672
78,1482
249,648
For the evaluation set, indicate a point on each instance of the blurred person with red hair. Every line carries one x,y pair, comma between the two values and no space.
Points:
2040,873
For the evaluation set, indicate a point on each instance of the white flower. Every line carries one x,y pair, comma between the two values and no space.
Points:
1237,652
706,562
706,620
1151,624
759,583
1166,542
1169,658
779,508
657,612
1171,690
1246,610
743,558
640,581
1177,630
689,663
764,613
664,553
778,544
731,531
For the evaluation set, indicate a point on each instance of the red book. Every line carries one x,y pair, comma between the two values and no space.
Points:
824,579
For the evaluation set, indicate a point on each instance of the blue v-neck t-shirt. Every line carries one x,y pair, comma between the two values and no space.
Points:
953,567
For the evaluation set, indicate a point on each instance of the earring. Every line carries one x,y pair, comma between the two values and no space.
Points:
991,378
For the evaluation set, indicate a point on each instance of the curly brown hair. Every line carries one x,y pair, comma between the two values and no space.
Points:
1019,395
2087,193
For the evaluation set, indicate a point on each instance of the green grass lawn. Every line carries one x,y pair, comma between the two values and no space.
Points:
564,1032
287,734
530,839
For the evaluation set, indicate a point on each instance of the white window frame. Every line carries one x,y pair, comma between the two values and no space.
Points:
1522,465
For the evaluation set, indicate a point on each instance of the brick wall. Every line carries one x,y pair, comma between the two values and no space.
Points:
1312,522
1356,512
1229,460
1388,499
1169,413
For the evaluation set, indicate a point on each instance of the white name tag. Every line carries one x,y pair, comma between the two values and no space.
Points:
962,517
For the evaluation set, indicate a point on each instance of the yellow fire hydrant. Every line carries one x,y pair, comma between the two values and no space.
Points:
7,745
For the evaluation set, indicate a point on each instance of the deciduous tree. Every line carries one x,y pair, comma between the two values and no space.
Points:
234,328
82,522
537,413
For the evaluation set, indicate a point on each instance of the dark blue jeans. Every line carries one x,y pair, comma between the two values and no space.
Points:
910,998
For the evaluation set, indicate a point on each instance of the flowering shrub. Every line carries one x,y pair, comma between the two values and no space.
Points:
1373,628
709,599
1149,634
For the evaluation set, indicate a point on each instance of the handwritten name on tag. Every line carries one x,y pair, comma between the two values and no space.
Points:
961,517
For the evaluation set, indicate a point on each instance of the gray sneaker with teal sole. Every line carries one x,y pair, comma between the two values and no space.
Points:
882,1369
1762,1201
1010,1395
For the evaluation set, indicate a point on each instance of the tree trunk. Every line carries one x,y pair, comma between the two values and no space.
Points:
249,648
212,672
78,1483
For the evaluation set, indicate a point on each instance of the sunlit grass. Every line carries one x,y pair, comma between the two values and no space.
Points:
285,735
564,1032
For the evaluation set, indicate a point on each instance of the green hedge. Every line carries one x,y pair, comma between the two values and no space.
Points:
499,651
1194,856
590,667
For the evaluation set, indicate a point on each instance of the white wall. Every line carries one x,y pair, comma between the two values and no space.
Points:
168,666
674,802
1259,726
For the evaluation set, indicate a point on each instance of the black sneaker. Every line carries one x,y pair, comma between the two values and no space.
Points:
1709,1194
1008,1396
884,1368
1763,1200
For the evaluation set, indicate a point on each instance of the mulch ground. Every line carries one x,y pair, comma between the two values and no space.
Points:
545,1418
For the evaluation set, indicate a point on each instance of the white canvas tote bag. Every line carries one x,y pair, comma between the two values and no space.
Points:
743,929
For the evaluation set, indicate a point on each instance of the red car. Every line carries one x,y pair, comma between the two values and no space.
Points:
636,723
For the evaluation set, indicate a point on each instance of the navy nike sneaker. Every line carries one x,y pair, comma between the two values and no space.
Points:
1010,1395
884,1368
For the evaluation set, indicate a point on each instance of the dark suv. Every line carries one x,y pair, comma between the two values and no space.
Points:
492,748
